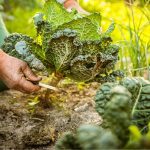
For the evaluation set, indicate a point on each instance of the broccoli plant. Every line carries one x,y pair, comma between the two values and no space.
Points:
68,44
123,106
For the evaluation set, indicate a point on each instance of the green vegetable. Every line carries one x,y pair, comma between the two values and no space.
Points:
117,103
117,112
88,137
56,14
86,30
23,47
71,45
140,100
140,90
137,140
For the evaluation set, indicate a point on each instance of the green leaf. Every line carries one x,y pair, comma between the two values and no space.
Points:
60,19
86,30
140,100
135,133
95,19
57,15
24,48
110,29
61,49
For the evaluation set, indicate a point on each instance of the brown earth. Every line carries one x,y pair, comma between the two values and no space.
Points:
30,122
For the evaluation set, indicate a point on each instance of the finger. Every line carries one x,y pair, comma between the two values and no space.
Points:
27,86
30,75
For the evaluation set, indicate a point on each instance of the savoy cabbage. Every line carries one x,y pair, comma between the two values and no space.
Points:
68,44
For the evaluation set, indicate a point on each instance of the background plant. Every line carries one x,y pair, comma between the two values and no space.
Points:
121,107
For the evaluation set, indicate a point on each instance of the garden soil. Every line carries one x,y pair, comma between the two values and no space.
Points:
28,125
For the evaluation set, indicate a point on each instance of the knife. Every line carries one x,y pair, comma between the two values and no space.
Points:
48,86
44,85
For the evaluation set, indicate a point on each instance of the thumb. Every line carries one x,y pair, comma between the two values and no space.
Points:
30,75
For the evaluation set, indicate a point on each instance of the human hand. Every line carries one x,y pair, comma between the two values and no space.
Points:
69,4
16,74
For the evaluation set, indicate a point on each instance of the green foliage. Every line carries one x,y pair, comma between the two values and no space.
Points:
138,47
137,140
88,137
52,9
10,5
134,42
18,19
117,110
139,89
118,106
85,29
67,142
24,48
33,103
72,45
131,32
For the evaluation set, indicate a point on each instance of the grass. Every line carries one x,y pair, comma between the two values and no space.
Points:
136,45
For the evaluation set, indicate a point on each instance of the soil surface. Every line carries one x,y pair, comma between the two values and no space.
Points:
32,122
